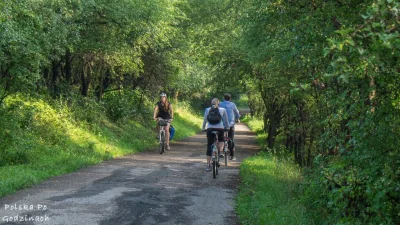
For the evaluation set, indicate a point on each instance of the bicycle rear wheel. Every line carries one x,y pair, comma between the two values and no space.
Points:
162,142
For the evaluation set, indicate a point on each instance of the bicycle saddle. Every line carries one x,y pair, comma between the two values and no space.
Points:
215,132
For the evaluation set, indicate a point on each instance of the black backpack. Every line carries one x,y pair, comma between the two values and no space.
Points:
214,117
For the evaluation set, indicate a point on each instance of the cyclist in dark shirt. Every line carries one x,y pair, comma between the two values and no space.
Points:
164,110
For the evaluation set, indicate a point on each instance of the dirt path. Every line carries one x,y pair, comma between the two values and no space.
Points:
146,188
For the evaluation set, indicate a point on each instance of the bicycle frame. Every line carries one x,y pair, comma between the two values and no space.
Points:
161,135
215,154
161,131
215,149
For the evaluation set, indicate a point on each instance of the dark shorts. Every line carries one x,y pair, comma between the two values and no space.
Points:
210,138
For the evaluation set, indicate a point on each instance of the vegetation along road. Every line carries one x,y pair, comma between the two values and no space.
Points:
144,188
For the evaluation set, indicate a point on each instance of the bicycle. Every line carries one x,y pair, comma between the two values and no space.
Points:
161,135
215,154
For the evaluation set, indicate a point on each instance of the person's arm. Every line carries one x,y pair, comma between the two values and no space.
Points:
203,127
171,111
155,112
236,112
225,119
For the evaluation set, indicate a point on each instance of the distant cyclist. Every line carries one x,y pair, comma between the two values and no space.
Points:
233,116
164,110
216,119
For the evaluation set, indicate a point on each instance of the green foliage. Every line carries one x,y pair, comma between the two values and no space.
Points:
361,181
119,106
20,51
14,147
241,102
323,76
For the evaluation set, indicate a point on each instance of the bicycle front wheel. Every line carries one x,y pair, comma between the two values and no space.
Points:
214,165
162,142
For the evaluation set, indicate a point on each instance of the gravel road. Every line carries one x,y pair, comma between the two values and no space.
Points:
145,188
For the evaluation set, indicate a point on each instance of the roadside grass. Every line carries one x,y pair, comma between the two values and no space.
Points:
43,139
269,188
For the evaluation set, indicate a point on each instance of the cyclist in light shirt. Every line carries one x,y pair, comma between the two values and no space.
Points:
233,116
220,127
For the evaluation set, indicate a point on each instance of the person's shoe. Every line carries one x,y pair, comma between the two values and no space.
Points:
168,148
221,156
208,169
233,158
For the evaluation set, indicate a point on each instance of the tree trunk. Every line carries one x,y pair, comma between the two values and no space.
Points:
55,70
297,153
275,118
100,89
68,66
142,95
85,80
272,133
46,74
103,84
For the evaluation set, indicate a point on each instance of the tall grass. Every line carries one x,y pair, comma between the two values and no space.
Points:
269,188
45,138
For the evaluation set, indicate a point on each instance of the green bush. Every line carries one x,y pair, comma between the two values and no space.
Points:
13,157
359,182
15,122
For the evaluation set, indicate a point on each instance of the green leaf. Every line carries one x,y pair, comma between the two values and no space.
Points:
340,46
344,77
326,51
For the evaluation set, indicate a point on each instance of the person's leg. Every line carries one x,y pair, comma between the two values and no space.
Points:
221,140
231,135
210,141
157,131
221,146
